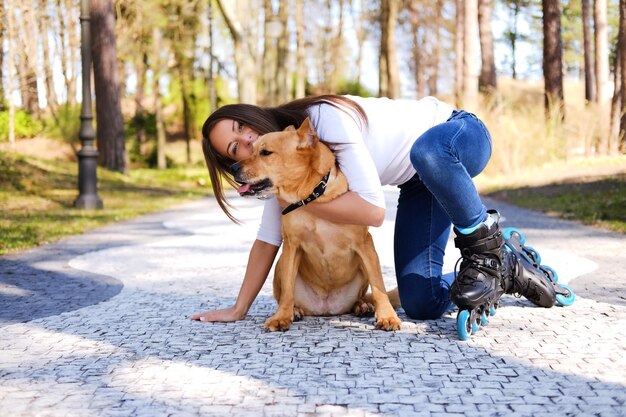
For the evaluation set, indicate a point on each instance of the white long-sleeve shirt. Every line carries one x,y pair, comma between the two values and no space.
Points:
369,156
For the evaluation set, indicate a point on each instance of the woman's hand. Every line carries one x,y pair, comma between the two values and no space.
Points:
222,315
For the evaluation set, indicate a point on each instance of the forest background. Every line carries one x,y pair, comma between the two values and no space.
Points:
546,77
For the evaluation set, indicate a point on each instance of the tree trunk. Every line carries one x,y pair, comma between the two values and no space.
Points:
301,66
44,28
622,65
602,51
552,58
157,65
590,79
27,58
140,110
512,34
433,78
359,23
110,124
73,45
11,68
244,45
487,80
283,79
389,71
212,74
268,71
459,50
2,91
417,49
470,55
616,104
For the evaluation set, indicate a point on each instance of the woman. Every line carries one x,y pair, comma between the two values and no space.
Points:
425,147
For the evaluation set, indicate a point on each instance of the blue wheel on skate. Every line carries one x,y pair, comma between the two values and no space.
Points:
493,309
484,319
552,275
510,231
565,299
534,255
463,325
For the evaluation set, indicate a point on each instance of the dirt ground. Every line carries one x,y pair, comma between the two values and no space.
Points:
42,148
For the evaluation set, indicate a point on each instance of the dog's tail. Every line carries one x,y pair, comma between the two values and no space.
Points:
394,298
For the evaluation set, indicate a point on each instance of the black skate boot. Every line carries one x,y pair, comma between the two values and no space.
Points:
523,274
478,284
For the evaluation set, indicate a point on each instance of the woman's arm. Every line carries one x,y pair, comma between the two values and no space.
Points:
260,262
348,208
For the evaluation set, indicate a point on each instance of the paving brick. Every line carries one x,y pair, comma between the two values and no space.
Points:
135,353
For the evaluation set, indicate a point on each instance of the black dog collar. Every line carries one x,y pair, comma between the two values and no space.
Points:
317,191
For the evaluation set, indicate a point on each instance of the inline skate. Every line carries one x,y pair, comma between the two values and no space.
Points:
494,263
525,275
478,284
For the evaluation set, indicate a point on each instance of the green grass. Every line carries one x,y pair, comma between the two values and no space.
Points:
36,198
594,201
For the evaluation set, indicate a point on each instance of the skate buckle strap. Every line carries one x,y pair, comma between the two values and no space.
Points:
488,262
481,245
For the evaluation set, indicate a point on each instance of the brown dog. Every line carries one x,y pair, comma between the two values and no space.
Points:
325,268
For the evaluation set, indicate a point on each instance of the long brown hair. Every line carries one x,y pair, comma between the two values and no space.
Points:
262,120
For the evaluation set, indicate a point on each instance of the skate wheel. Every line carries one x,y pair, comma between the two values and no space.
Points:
510,232
534,255
492,310
563,299
476,325
484,319
463,325
552,275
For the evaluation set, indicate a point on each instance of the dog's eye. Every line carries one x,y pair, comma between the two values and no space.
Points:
265,152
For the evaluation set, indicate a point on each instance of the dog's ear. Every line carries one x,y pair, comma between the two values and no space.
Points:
307,135
289,128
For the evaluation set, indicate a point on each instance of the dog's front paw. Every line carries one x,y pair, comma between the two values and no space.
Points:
388,323
276,323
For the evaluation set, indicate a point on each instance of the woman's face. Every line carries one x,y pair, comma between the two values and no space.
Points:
232,139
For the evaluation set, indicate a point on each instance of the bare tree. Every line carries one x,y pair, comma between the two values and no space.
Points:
360,18
301,65
552,58
110,124
389,73
590,79
68,45
244,45
417,48
3,19
470,55
44,29
487,80
157,65
459,35
435,55
602,51
268,71
616,103
211,46
622,65
11,68
27,56
283,86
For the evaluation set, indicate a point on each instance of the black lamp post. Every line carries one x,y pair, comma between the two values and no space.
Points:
88,155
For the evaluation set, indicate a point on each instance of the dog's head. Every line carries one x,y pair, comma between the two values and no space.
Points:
280,161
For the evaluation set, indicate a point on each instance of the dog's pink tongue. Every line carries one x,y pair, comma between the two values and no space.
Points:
244,188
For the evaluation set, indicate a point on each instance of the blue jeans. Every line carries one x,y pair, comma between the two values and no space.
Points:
446,157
